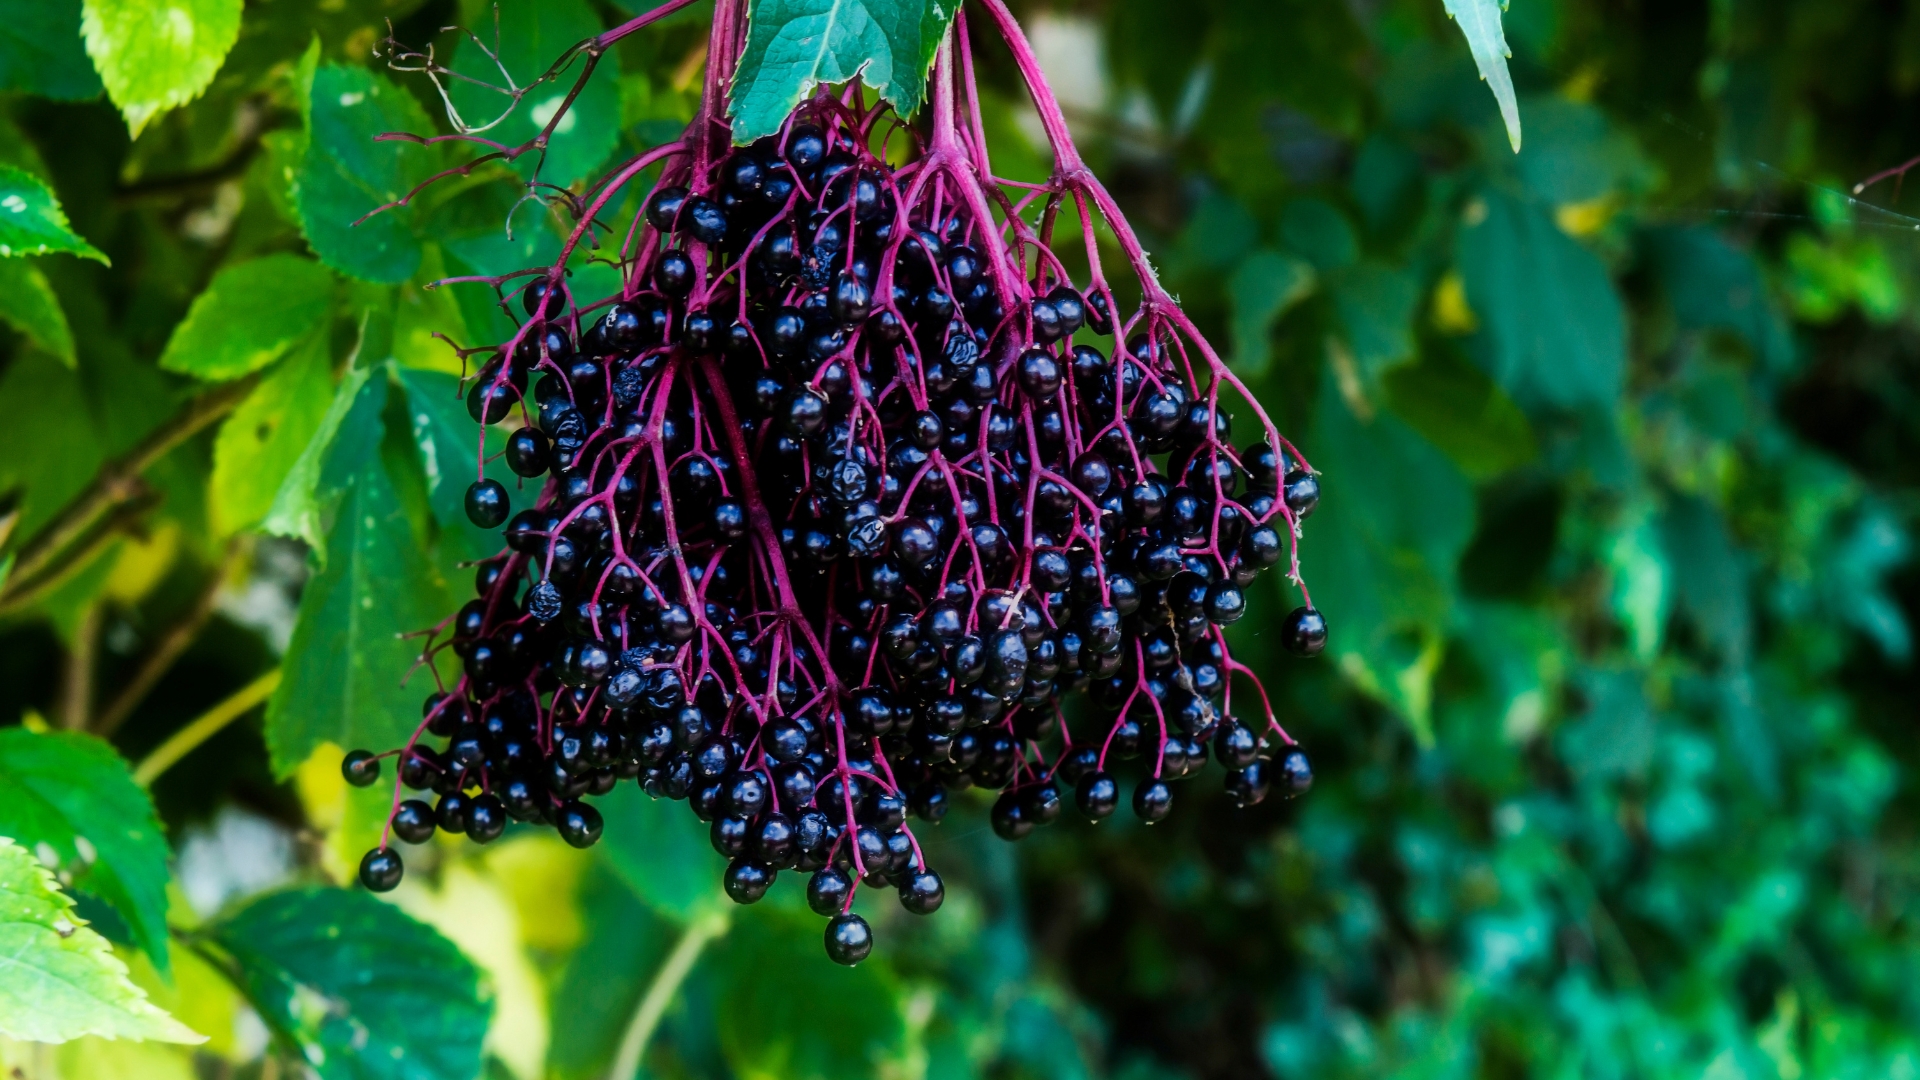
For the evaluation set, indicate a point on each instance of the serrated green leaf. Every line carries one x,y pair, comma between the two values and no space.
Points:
74,794
1553,330
249,316
449,445
360,989
1480,21
41,52
533,34
154,57
262,441
785,1014
297,506
29,305
663,856
60,979
794,46
344,174
347,660
31,221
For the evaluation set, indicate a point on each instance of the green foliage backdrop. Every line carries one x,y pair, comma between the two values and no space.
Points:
1614,737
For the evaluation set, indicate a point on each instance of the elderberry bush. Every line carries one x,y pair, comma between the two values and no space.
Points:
849,500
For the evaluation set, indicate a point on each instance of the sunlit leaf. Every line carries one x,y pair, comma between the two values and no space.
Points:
153,56
31,221
28,304
796,45
249,316
61,980
344,174
259,445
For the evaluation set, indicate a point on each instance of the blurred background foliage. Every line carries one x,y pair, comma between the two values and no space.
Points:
1614,738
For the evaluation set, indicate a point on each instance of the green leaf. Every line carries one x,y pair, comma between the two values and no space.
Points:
449,445
1381,551
29,305
297,506
533,33
1480,21
344,174
1375,303
74,794
1709,575
61,980
357,987
796,45
41,51
785,1014
1458,409
664,856
249,316
263,440
346,662
154,57
1715,286
1263,287
1553,330
31,221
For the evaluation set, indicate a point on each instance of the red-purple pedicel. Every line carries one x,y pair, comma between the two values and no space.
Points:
846,491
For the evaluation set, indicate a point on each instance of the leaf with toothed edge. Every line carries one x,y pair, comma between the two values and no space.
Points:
1480,21
32,222
796,45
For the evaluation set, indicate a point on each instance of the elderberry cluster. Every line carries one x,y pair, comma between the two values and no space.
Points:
833,507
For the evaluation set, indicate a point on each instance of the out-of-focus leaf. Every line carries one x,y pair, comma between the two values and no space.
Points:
450,443
41,51
1715,286
1552,329
1576,155
347,659
1480,21
1709,575
1458,409
1642,586
32,222
796,45
261,442
250,315
532,35
626,941
663,855
1375,304
1616,736
28,304
361,990
71,796
1263,287
344,174
154,57
783,1014
1318,232
61,980
1394,517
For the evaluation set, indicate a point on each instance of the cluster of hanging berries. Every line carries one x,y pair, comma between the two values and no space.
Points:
837,504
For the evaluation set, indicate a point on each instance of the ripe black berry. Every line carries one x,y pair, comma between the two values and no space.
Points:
747,881
487,504
381,871
1296,776
1153,801
827,891
849,939
1302,494
360,768
579,824
923,893
1304,632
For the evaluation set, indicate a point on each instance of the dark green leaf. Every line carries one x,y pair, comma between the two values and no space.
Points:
345,174
249,316
1375,304
74,795
796,45
1715,286
532,35
359,989
41,51
1318,232
28,304
662,853
1709,574
449,443
346,663
1263,287
155,57
61,980
786,1012
262,441
1553,331
1575,155
1458,409
31,221
606,977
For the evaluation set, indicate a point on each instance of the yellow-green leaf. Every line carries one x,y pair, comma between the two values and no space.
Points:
155,55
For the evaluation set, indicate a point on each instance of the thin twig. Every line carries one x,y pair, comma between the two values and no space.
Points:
118,483
666,982
169,648
76,691
22,593
187,739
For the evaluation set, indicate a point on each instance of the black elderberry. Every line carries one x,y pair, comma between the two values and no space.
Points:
1153,801
827,891
923,892
665,206
1304,632
849,939
747,881
360,768
1248,786
381,871
487,504
414,822
674,273
1010,819
1225,603
1097,795
1296,775
703,219
1236,745
579,824
1302,493
490,400
532,297
486,818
